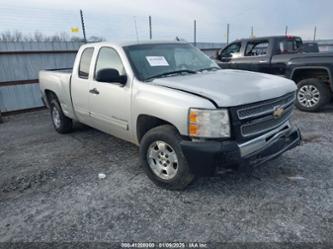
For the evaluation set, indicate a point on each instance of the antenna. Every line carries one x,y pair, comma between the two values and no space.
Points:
315,33
228,33
83,27
195,33
150,29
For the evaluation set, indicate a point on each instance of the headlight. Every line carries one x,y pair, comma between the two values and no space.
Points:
209,123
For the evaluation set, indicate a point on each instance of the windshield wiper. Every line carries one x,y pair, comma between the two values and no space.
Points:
209,69
171,73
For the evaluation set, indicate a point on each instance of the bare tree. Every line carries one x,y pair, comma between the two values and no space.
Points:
6,36
18,36
77,39
37,36
96,39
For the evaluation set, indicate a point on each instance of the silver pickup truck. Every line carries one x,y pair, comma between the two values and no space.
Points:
189,117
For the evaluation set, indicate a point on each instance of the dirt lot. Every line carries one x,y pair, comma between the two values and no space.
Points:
50,190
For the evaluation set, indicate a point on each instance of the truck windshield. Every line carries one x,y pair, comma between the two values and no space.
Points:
150,61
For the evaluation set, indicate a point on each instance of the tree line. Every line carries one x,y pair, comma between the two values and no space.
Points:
37,36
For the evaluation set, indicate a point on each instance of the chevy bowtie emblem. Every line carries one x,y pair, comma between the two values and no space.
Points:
278,112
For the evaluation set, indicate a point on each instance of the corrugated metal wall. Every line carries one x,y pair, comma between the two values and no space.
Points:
20,63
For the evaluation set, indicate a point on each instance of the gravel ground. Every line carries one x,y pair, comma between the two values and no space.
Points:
50,190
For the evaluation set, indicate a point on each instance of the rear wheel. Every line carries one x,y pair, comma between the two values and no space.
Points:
61,123
312,94
163,160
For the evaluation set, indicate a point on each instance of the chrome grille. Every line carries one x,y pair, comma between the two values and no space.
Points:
258,118
266,107
261,125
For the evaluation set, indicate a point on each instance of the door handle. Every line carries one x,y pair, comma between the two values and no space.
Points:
94,91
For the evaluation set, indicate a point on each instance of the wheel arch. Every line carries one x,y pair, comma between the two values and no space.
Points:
49,94
145,122
301,73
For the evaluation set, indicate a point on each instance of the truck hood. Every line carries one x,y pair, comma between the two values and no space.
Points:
229,88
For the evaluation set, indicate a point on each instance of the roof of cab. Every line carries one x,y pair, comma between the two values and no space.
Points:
268,37
133,43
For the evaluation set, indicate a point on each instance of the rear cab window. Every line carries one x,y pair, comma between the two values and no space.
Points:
85,63
290,45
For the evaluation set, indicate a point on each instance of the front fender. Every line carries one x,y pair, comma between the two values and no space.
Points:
167,104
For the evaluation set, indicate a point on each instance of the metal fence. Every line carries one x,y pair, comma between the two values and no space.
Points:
20,63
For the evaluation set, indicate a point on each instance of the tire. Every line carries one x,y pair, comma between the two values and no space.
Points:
312,94
165,172
61,123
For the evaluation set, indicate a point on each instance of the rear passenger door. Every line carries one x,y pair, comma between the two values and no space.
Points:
256,56
80,86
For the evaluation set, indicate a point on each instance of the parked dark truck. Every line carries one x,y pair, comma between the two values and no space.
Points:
285,56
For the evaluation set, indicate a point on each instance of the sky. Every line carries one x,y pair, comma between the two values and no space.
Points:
118,20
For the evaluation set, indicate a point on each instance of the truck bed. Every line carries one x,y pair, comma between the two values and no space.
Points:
60,70
58,82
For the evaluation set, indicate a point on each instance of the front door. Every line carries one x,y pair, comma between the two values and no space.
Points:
228,57
110,102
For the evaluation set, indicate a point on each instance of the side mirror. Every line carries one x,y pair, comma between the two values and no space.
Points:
218,55
215,56
110,75
225,59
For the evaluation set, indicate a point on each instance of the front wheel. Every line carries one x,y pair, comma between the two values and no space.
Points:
312,94
163,160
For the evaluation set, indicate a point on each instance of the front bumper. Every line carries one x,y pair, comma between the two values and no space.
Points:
206,157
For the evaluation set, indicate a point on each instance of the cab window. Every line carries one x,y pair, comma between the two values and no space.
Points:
109,58
232,49
85,63
258,48
291,45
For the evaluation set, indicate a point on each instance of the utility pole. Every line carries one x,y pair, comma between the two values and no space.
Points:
252,32
228,33
286,30
83,27
150,29
315,33
195,33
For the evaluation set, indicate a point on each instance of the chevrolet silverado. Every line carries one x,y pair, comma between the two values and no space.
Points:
188,117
